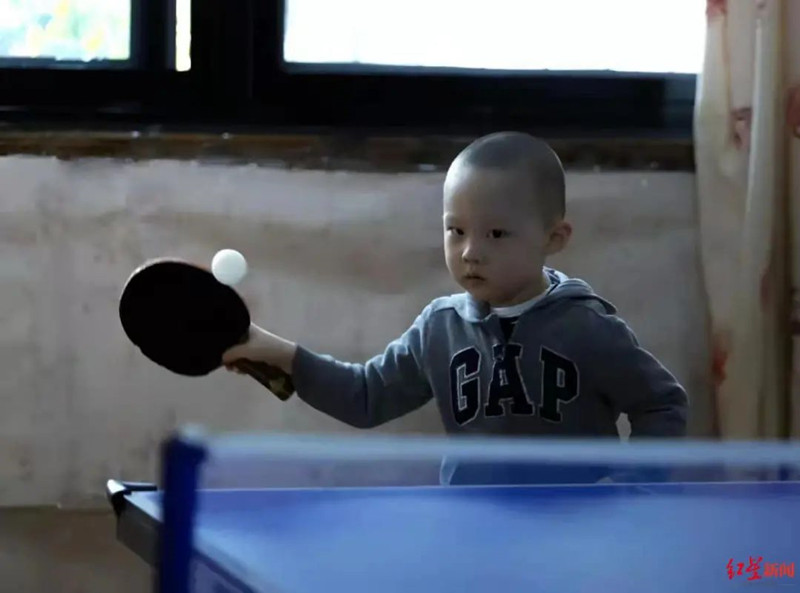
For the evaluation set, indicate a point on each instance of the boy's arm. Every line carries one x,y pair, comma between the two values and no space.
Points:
386,387
637,383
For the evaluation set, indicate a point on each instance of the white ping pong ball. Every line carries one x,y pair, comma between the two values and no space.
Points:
229,266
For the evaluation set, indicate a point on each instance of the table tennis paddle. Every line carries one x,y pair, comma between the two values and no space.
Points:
183,319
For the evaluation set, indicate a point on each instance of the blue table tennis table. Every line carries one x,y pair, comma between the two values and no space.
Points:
659,538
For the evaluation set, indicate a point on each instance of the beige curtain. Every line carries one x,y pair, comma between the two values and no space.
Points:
747,143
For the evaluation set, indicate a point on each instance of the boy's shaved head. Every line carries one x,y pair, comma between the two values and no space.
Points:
503,215
536,164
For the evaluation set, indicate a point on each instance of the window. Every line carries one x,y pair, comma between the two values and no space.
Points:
572,68
562,35
553,67
94,62
88,33
183,35
63,31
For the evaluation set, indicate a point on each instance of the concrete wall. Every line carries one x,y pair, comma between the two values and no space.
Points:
341,262
52,551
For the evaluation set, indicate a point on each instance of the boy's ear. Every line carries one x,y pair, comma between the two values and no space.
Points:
559,237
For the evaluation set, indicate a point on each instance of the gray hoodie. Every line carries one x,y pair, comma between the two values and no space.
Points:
569,368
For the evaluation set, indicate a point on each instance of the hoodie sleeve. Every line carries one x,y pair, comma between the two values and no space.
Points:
637,383
386,387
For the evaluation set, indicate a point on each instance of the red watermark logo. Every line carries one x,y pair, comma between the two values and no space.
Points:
757,569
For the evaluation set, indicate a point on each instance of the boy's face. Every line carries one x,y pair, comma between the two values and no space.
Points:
495,243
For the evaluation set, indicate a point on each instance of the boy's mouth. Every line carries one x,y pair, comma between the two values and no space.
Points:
474,278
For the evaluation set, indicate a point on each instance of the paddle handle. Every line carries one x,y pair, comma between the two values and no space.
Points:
273,378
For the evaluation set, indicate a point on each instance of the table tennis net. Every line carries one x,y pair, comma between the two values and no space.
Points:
316,461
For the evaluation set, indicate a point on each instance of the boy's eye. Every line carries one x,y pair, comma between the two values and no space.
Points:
498,233
454,230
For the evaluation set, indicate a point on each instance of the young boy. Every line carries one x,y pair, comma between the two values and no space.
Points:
524,350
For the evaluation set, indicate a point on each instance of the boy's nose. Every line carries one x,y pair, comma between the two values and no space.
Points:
472,253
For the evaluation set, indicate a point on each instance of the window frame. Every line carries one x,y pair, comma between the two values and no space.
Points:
48,91
567,104
239,81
